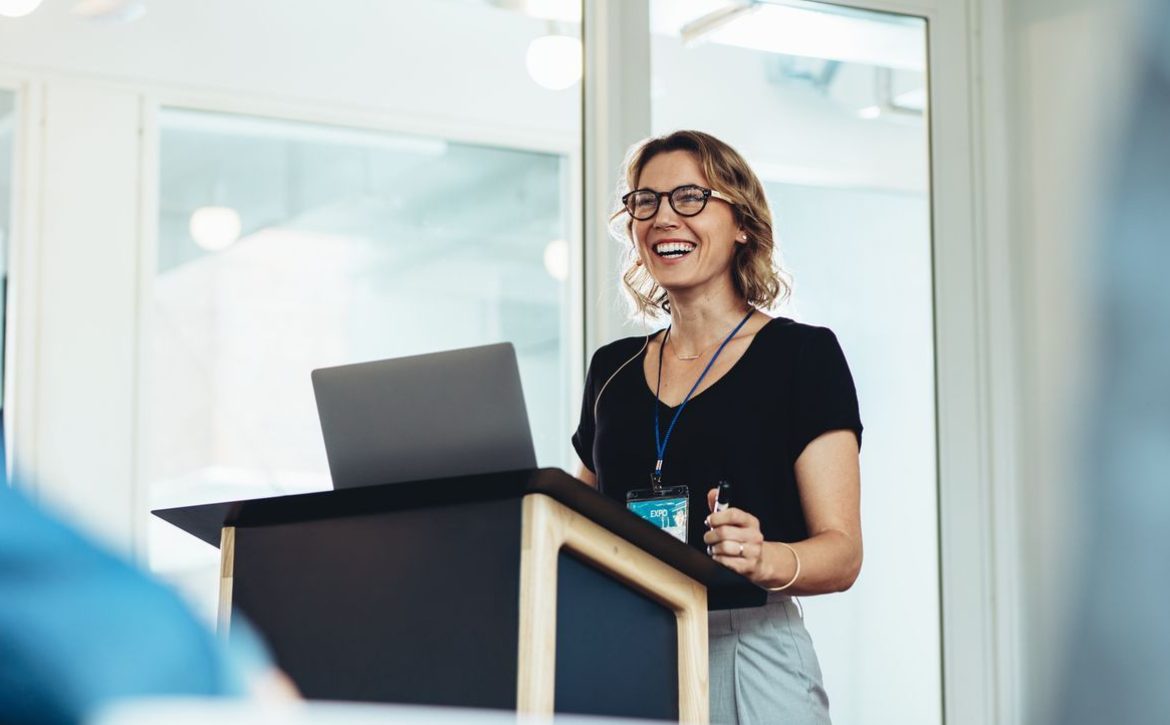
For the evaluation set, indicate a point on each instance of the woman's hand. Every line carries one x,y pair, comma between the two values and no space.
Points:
735,541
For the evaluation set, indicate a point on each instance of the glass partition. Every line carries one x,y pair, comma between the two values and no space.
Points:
434,206
829,106
285,246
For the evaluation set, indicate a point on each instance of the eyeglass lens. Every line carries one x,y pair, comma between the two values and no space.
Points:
686,200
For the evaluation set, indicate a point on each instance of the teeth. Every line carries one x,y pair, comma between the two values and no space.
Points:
673,249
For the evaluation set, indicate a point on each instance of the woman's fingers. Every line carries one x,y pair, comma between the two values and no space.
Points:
735,548
732,533
733,517
737,564
731,548
711,497
734,539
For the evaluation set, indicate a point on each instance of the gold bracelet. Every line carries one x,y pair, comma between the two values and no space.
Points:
794,576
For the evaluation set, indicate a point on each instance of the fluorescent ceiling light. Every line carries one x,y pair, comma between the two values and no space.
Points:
814,33
272,128
697,30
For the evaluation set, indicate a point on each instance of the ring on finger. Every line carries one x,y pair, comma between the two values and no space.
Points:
740,548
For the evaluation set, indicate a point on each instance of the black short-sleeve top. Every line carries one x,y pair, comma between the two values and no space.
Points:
791,385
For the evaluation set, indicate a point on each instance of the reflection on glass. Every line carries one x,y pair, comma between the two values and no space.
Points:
7,133
284,247
828,106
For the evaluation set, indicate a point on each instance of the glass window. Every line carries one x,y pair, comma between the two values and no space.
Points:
285,246
828,104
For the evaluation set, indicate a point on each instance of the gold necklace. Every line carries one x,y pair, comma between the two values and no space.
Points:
696,356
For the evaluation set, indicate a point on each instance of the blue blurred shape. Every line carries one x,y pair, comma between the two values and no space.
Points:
80,628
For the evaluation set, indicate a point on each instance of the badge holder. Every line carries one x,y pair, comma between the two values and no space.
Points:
667,507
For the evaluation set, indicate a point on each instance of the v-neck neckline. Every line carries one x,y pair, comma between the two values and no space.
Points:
715,382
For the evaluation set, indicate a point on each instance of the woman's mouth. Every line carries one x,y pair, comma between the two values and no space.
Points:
673,249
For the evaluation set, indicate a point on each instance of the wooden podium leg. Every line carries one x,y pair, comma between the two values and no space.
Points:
548,526
227,559
693,685
537,654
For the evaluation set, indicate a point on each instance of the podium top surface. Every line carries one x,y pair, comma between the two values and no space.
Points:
725,588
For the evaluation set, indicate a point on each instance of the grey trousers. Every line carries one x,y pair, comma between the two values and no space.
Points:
763,668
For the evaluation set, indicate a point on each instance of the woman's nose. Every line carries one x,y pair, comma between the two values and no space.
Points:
665,217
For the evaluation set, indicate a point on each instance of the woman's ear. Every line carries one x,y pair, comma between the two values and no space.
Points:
742,237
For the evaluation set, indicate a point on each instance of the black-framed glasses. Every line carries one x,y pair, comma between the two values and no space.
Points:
686,200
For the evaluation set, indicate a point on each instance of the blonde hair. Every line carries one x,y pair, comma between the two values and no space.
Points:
755,275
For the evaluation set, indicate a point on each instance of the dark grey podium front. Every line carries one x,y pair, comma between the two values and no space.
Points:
523,590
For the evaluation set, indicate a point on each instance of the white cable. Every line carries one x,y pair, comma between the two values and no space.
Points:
615,372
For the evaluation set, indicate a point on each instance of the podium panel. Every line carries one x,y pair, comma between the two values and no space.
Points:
611,643
391,607
523,590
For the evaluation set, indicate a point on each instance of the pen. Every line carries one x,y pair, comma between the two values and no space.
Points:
723,499
722,503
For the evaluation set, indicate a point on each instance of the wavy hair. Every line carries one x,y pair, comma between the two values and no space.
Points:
755,275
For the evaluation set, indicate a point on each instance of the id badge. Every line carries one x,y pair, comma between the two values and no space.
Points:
667,508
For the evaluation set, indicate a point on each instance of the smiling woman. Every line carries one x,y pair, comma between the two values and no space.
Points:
769,406
701,161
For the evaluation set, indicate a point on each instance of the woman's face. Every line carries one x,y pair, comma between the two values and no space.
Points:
711,235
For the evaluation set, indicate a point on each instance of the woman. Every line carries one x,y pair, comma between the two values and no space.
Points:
727,393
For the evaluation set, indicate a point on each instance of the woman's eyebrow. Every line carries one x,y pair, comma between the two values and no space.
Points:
685,183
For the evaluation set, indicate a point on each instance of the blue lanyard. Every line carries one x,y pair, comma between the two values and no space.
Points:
659,442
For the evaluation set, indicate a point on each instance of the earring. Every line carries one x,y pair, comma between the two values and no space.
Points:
638,262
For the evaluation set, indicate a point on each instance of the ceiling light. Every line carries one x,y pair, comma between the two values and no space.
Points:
697,30
554,61
851,37
215,228
556,259
17,8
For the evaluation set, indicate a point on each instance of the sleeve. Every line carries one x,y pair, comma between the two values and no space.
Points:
583,437
824,396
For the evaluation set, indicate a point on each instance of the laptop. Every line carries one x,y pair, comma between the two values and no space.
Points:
442,414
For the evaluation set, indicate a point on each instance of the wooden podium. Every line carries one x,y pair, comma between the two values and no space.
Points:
522,590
